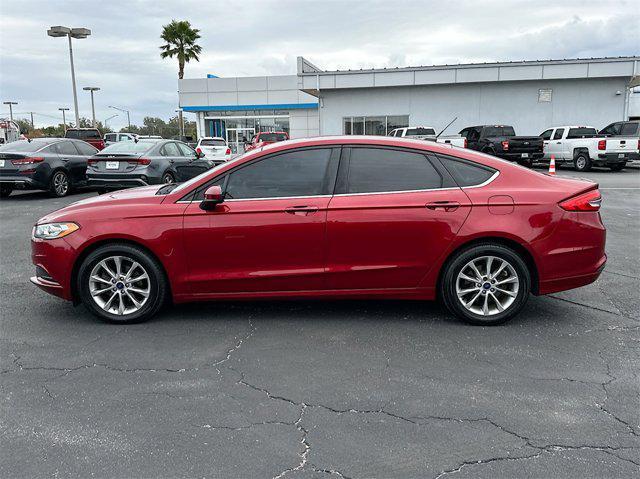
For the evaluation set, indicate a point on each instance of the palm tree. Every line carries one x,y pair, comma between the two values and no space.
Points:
180,41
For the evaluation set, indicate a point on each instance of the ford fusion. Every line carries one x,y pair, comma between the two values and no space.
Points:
341,217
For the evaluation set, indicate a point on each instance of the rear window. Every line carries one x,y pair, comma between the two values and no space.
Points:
420,131
629,129
272,137
220,142
24,145
581,132
467,173
84,134
499,131
128,147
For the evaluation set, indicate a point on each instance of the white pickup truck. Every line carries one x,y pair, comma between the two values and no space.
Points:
428,133
582,146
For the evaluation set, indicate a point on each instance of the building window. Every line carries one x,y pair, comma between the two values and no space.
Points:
373,125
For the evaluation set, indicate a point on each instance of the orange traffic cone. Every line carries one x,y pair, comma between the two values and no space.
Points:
552,166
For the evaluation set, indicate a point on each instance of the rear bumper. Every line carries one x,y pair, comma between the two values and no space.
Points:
616,158
571,282
130,181
21,182
511,156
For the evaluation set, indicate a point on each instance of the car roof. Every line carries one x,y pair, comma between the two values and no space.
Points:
571,126
211,138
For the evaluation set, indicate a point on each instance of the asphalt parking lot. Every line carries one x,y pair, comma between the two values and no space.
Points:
311,389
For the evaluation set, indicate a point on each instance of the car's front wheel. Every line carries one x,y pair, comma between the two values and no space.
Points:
122,283
485,284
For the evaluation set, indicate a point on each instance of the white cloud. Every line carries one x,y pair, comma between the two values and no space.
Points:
264,37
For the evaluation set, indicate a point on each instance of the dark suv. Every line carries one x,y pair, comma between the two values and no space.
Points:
501,141
90,135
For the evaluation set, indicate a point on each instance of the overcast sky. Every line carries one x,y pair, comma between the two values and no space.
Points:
247,38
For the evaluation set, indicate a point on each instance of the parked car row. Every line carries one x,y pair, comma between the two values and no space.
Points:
582,146
58,165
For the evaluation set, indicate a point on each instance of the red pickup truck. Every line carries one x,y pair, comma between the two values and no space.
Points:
90,135
265,138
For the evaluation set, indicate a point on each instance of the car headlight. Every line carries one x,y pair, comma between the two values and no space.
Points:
54,230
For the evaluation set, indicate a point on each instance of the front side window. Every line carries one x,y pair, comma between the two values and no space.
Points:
66,148
558,134
373,170
546,135
296,173
110,137
612,129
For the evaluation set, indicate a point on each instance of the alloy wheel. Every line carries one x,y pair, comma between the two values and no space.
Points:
487,285
167,179
60,183
581,162
119,285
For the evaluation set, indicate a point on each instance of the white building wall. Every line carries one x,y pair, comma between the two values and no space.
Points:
590,101
303,123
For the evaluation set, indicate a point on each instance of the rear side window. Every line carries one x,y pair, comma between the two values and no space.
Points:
467,173
629,129
170,149
373,170
297,173
85,148
581,132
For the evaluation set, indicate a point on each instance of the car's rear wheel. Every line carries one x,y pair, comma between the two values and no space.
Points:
122,284
59,185
168,178
485,284
5,191
582,162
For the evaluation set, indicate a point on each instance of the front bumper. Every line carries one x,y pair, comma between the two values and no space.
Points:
53,260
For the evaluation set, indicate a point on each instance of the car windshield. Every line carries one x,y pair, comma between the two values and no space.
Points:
84,134
125,147
213,142
272,137
187,184
23,145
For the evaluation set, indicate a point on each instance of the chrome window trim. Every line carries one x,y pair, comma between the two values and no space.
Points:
398,191
484,183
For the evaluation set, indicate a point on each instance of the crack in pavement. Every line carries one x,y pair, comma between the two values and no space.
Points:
304,455
595,308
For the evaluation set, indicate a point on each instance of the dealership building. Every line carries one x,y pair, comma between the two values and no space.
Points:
530,95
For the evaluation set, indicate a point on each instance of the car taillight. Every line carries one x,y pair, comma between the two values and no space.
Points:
602,145
228,152
589,201
140,161
505,145
638,144
28,161
92,161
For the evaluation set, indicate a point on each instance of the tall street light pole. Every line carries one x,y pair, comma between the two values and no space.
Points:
106,120
59,31
64,118
10,103
93,108
123,111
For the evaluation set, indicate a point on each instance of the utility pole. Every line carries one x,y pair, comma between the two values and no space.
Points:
123,111
64,118
10,103
33,126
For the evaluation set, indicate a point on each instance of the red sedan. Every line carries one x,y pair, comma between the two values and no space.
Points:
341,217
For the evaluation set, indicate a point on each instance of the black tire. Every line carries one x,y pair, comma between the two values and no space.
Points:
5,191
168,178
455,265
618,167
582,162
158,285
59,184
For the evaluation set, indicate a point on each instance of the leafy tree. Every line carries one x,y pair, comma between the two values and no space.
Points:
180,41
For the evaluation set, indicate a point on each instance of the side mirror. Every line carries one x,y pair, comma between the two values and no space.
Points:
212,197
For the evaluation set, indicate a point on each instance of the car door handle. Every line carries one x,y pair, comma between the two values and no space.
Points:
558,143
443,205
301,210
